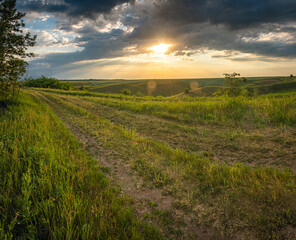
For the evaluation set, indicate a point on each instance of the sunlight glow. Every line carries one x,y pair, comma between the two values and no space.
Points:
160,49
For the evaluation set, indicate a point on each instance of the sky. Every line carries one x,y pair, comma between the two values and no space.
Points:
154,39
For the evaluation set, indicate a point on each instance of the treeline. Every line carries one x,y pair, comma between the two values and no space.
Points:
44,82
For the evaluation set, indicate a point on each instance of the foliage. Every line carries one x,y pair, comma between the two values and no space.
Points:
186,91
126,92
245,92
44,82
140,94
82,88
13,46
233,82
50,188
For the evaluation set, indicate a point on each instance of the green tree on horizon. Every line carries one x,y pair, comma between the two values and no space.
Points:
233,82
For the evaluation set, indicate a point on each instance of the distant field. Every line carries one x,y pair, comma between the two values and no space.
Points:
167,87
171,87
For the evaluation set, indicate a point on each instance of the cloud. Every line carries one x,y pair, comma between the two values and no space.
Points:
72,8
232,13
262,27
95,46
265,29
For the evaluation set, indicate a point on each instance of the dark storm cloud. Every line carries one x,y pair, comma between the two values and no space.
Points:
223,25
235,14
73,8
220,39
264,28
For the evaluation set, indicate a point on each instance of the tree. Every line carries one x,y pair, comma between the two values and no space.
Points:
13,46
233,82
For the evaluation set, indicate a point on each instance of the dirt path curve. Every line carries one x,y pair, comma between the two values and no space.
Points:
121,173
146,199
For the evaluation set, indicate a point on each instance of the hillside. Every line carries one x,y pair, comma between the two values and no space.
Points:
171,87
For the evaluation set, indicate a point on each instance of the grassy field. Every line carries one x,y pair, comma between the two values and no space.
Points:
196,168
163,87
91,165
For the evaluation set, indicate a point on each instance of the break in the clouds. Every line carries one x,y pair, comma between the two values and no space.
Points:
86,34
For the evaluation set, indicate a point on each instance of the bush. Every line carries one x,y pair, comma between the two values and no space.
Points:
44,82
82,88
126,92
140,94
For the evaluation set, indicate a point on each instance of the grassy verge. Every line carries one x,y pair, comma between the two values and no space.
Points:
51,189
255,202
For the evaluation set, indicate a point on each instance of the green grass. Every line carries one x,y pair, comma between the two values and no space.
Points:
104,95
50,188
219,111
282,87
255,202
263,110
223,142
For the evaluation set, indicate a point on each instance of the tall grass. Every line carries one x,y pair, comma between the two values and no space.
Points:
51,189
93,94
220,111
257,111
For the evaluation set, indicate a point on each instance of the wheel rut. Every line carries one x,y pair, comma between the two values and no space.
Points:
145,199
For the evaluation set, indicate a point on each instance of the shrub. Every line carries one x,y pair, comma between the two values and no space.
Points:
82,88
126,92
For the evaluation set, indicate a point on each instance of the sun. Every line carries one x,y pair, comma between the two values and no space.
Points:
160,49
